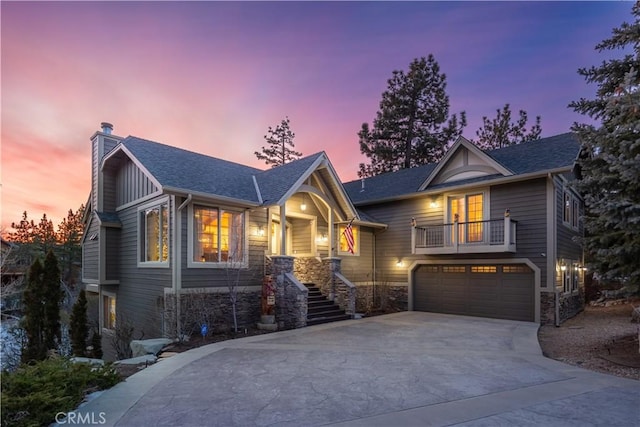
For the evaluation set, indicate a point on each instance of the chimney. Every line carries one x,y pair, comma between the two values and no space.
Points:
106,128
362,183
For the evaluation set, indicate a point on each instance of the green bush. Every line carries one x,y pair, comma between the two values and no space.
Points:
33,394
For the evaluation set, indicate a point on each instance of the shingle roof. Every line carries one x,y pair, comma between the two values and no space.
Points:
543,154
182,169
275,182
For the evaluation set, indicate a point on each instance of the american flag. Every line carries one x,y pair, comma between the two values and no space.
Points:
348,236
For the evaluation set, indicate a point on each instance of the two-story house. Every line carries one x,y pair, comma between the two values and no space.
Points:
483,234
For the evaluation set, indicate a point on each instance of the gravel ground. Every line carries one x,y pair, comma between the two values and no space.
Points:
601,339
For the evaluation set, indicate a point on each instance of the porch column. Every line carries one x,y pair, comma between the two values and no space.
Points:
328,286
281,265
330,232
283,231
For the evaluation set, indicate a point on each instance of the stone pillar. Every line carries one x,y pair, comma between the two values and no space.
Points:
280,265
328,286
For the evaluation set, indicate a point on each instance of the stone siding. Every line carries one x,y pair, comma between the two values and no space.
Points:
291,295
381,298
345,294
214,309
570,305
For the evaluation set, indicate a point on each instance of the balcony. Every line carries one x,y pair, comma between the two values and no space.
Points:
490,236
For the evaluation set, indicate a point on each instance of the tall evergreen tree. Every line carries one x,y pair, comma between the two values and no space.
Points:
52,298
609,164
280,149
412,126
33,319
501,131
68,236
79,330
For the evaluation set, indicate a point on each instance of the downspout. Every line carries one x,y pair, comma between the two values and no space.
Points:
177,275
553,255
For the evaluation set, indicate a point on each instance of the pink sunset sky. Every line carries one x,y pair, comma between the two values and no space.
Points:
211,77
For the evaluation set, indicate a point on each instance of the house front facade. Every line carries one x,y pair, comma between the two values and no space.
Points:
172,237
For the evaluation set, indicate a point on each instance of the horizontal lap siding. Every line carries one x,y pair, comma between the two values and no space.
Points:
91,252
112,266
359,268
140,289
394,243
566,245
527,203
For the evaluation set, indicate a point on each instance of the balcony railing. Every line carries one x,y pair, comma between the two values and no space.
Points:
494,235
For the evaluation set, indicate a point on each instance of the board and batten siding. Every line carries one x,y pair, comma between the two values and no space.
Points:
217,277
132,184
140,292
91,251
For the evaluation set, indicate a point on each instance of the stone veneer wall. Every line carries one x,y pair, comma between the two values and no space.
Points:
570,305
309,270
213,308
291,295
381,297
345,294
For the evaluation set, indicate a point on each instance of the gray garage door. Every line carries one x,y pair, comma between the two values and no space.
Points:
492,290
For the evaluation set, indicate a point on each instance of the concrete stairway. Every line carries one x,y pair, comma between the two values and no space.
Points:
321,309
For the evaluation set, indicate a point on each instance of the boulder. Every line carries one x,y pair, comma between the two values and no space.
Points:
88,360
147,359
152,346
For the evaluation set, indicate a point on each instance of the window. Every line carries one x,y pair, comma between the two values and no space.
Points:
484,269
571,210
570,274
469,211
218,236
566,216
109,308
453,269
515,269
344,247
154,227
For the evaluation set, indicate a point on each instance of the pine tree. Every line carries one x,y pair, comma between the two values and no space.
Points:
52,298
96,345
280,150
34,318
412,126
501,132
78,325
609,164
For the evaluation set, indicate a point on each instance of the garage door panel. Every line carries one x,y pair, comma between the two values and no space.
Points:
484,291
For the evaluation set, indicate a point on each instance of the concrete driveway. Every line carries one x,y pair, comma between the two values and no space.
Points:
404,369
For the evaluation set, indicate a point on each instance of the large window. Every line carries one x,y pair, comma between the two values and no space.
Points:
218,236
343,248
154,239
469,210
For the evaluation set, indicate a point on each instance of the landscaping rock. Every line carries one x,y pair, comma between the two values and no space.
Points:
152,346
147,359
88,360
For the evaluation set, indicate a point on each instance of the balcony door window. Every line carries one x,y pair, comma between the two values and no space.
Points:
468,209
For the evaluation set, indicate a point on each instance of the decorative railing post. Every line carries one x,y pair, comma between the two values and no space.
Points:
507,229
456,231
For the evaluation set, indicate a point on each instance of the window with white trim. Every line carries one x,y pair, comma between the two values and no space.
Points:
154,234
570,210
217,236
109,311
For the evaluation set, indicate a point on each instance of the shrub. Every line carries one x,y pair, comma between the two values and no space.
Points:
34,394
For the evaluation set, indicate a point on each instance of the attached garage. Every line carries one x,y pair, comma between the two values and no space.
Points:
502,291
